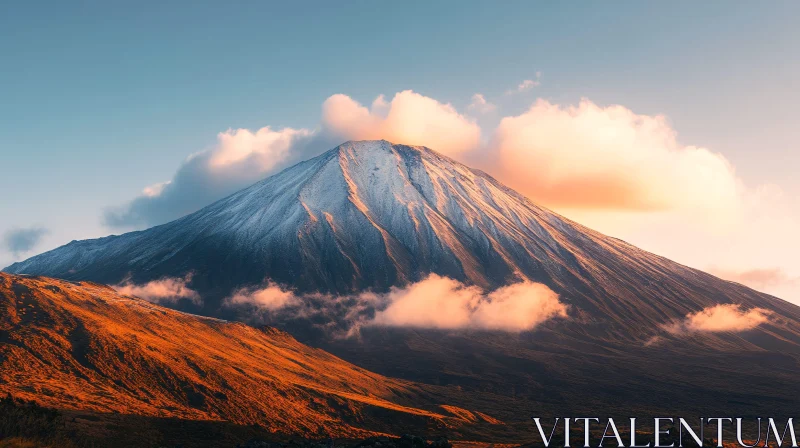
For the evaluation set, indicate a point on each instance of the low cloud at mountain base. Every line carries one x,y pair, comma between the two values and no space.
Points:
165,290
720,318
442,303
433,303
272,297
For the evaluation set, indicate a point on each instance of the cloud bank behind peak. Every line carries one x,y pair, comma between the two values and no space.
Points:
581,156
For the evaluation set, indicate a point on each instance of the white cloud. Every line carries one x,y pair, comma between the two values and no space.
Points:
270,298
443,303
527,84
239,158
481,105
154,190
165,290
721,318
518,307
265,148
410,118
435,303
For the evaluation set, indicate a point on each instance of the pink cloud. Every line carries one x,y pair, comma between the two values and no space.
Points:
721,318
410,118
165,290
271,298
435,302
480,104
527,84
587,156
443,303
756,278
518,307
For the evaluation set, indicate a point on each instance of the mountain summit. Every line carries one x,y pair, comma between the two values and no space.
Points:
366,214
372,214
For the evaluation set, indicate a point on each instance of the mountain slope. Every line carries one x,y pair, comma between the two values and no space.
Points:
374,215
83,346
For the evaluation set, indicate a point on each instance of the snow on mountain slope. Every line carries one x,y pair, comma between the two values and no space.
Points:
373,214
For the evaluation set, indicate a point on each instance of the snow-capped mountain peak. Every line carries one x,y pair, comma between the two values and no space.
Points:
371,215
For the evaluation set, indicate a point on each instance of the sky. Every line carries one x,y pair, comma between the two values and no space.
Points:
671,126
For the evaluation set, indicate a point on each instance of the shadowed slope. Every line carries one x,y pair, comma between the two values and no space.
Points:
83,346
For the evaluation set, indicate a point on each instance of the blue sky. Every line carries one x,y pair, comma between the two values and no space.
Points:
101,99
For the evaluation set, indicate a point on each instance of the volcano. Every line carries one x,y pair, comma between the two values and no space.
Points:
373,215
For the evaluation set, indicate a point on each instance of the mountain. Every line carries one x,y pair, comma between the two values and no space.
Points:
82,346
370,215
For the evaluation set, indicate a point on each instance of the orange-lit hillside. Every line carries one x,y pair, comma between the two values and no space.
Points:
83,346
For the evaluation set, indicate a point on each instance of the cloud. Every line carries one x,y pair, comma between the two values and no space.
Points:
480,105
21,240
434,303
443,303
587,156
270,298
155,190
527,84
721,318
165,290
756,278
518,307
239,158
410,118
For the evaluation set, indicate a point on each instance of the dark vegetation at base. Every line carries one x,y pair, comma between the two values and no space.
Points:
405,441
26,424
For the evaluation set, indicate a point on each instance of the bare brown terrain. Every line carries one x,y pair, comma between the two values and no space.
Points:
83,347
